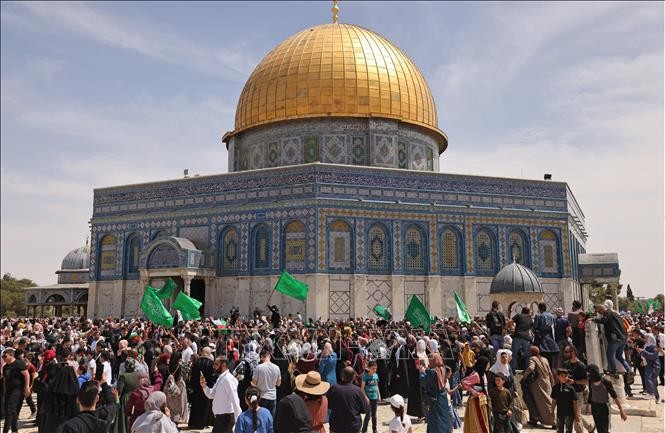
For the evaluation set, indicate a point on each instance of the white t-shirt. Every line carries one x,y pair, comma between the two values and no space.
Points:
91,366
187,355
107,372
267,374
396,424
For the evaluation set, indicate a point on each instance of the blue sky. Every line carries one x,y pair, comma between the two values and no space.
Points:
101,94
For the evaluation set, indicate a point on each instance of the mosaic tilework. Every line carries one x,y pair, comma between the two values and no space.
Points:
273,154
358,151
397,245
334,149
275,244
230,250
379,292
485,258
339,246
133,253
549,252
291,151
517,248
163,256
402,156
450,247
108,256
261,248
384,153
244,242
257,156
535,251
311,242
198,235
413,250
429,154
311,149
378,254
243,161
360,244
502,247
294,246
418,157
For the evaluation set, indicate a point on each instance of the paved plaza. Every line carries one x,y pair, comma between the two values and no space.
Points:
635,424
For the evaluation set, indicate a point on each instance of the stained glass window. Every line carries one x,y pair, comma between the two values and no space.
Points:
230,250
261,248
379,248
339,245
133,253
516,246
294,246
107,255
549,254
450,248
485,251
413,245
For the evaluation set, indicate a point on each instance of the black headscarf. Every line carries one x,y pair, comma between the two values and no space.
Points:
292,416
594,373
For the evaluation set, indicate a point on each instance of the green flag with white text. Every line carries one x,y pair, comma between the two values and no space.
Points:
291,287
417,314
153,308
188,306
462,313
168,290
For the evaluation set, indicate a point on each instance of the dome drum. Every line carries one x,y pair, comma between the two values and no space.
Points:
376,142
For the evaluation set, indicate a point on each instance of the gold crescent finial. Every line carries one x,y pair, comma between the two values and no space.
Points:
335,11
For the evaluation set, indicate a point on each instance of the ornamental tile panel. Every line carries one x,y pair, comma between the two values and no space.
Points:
291,151
384,152
257,156
417,157
358,151
334,149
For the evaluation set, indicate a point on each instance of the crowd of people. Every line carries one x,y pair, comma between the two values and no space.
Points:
273,373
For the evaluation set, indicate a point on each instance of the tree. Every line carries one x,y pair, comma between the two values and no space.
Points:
12,301
597,294
629,294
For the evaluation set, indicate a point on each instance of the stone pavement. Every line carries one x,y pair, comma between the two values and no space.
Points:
635,424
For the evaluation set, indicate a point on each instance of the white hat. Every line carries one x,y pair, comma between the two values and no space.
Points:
397,401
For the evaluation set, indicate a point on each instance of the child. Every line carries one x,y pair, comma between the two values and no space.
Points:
600,392
564,398
255,419
401,423
502,404
370,384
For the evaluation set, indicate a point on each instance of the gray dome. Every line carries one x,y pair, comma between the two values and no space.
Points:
77,259
516,278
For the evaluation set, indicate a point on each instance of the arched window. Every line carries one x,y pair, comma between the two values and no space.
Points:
378,257
549,252
261,248
294,246
230,250
414,255
485,254
339,246
132,253
517,248
107,256
451,257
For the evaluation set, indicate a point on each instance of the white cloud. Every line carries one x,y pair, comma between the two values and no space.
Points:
165,44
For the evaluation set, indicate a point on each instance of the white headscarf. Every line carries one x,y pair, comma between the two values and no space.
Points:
421,347
434,346
650,340
153,420
498,366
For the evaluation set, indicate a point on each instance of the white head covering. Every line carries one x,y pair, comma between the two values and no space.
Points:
433,346
650,340
421,347
306,348
401,341
153,420
498,366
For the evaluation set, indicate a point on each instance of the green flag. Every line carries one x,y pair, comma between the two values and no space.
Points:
153,308
638,308
291,287
657,305
188,306
168,290
462,314
417,314
383,312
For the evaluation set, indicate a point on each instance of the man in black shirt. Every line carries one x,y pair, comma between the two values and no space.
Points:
89,420
577,377
346,402
15,373
496,322
521,339
564,400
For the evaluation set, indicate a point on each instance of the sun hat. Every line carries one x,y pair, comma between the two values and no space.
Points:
311,383
397,401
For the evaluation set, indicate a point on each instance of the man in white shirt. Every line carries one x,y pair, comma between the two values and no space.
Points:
187,351
106,366
267,378
224,396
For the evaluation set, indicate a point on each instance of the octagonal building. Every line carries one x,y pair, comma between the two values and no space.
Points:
334,176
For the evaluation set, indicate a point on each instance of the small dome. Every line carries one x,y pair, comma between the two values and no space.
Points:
77,259
516,278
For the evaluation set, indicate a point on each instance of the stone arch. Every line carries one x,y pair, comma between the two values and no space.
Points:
340,245
295,242
549,252
261,250
518,247
229,250
132,253
107,255
415,246
379,248
452,257
485,251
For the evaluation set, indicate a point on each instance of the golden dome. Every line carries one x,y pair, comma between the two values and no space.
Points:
336,70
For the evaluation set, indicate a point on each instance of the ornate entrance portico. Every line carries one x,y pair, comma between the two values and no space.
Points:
598,269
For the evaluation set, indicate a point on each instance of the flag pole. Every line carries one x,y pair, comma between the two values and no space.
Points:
273,289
